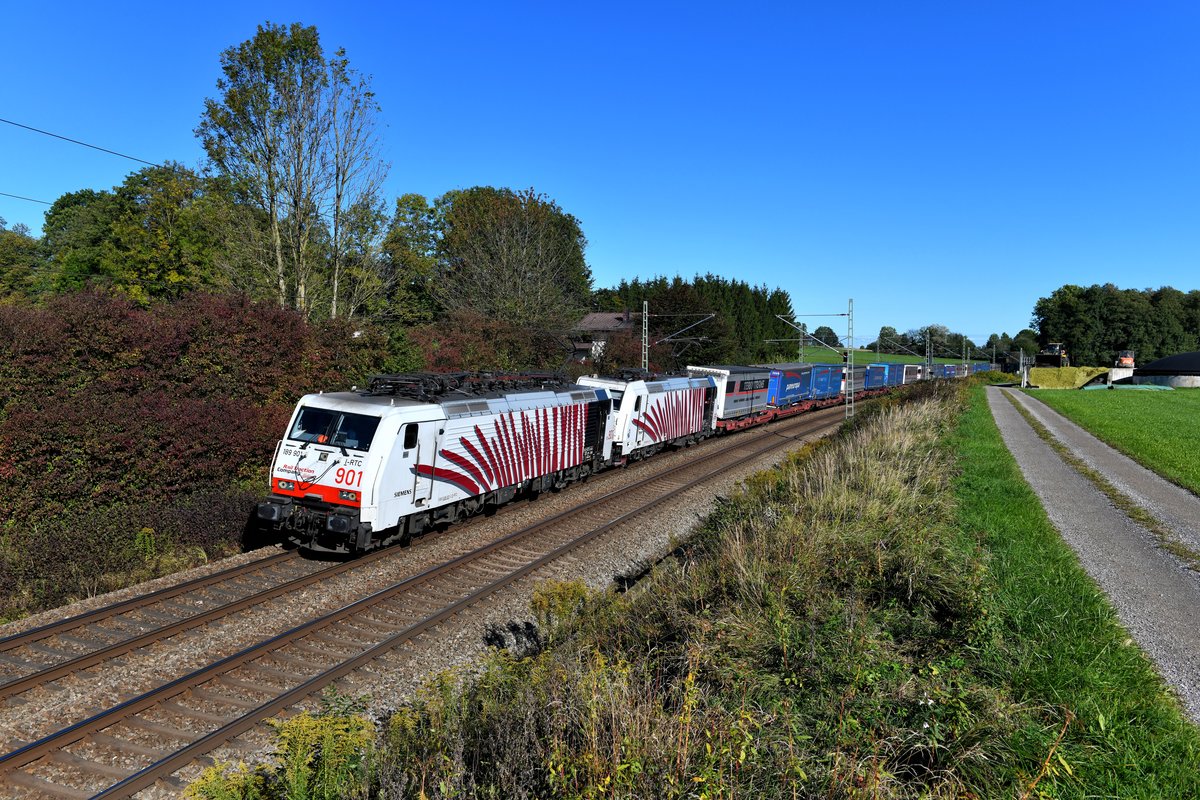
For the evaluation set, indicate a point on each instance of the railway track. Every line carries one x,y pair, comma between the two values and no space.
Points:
145,739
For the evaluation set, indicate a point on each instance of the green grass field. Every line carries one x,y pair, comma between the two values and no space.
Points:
823,355
1056,644
1160,430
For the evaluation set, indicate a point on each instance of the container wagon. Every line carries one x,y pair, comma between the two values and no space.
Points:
741,398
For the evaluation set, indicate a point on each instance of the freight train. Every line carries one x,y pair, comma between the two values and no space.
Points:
363,469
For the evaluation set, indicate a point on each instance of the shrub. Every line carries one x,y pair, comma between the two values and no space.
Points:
467,341
115,418
322,756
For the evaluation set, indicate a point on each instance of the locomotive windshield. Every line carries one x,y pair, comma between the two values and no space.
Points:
337,428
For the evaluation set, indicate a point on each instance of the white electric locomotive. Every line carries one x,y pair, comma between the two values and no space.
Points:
649,413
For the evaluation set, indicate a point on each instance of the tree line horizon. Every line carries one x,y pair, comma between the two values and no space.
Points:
288,208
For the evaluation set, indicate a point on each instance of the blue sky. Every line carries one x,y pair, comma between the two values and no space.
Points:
937,162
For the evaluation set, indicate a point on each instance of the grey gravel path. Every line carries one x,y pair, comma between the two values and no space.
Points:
1176,508
1155,597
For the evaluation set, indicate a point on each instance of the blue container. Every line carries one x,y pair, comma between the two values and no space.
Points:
827,381
876,376
787,387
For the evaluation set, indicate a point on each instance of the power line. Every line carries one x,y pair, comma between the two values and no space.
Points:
30,199
76,141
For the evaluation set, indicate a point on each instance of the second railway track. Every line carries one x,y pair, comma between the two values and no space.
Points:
146,738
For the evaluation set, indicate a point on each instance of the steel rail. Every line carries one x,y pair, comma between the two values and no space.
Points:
55,671
133,603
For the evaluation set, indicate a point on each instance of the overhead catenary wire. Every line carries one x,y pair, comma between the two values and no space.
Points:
29,199
78,142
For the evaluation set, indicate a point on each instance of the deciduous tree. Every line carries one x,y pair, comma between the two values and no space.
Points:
826,335
77,226
356,219
20,262
411,247
514,256
295,136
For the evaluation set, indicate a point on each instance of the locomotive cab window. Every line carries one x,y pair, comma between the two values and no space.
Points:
338,428
410,436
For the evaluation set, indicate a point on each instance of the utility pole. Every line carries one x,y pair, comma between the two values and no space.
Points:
850,359
645,335
799,332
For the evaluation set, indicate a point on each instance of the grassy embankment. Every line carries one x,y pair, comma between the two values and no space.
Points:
889,615
1159,430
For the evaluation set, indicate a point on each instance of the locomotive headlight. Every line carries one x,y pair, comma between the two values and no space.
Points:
343,494
287,486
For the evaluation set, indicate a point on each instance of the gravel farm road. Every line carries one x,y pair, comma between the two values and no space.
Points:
1156,596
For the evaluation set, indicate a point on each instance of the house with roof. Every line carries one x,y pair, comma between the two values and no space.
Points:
591,333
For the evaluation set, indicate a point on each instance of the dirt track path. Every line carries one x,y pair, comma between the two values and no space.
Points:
1156,597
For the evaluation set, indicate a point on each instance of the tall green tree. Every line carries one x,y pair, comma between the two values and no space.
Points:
1026,341
294,135
356,173
515,256
826,335
746,328
21,263
411,247
249,137
888,338
77,226
1098,321
362,277
152,236
159,244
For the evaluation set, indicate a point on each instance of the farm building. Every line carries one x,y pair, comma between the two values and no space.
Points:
592,332
1181,371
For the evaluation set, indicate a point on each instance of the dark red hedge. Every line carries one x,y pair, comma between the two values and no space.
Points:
164,414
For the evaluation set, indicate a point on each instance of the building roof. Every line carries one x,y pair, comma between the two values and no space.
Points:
607,321
1178,364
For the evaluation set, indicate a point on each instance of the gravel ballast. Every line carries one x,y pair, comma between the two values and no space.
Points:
1155,596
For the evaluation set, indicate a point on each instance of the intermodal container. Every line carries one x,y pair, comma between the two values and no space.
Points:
787,387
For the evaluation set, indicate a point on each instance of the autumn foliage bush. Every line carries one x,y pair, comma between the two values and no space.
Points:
467,341
127,433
